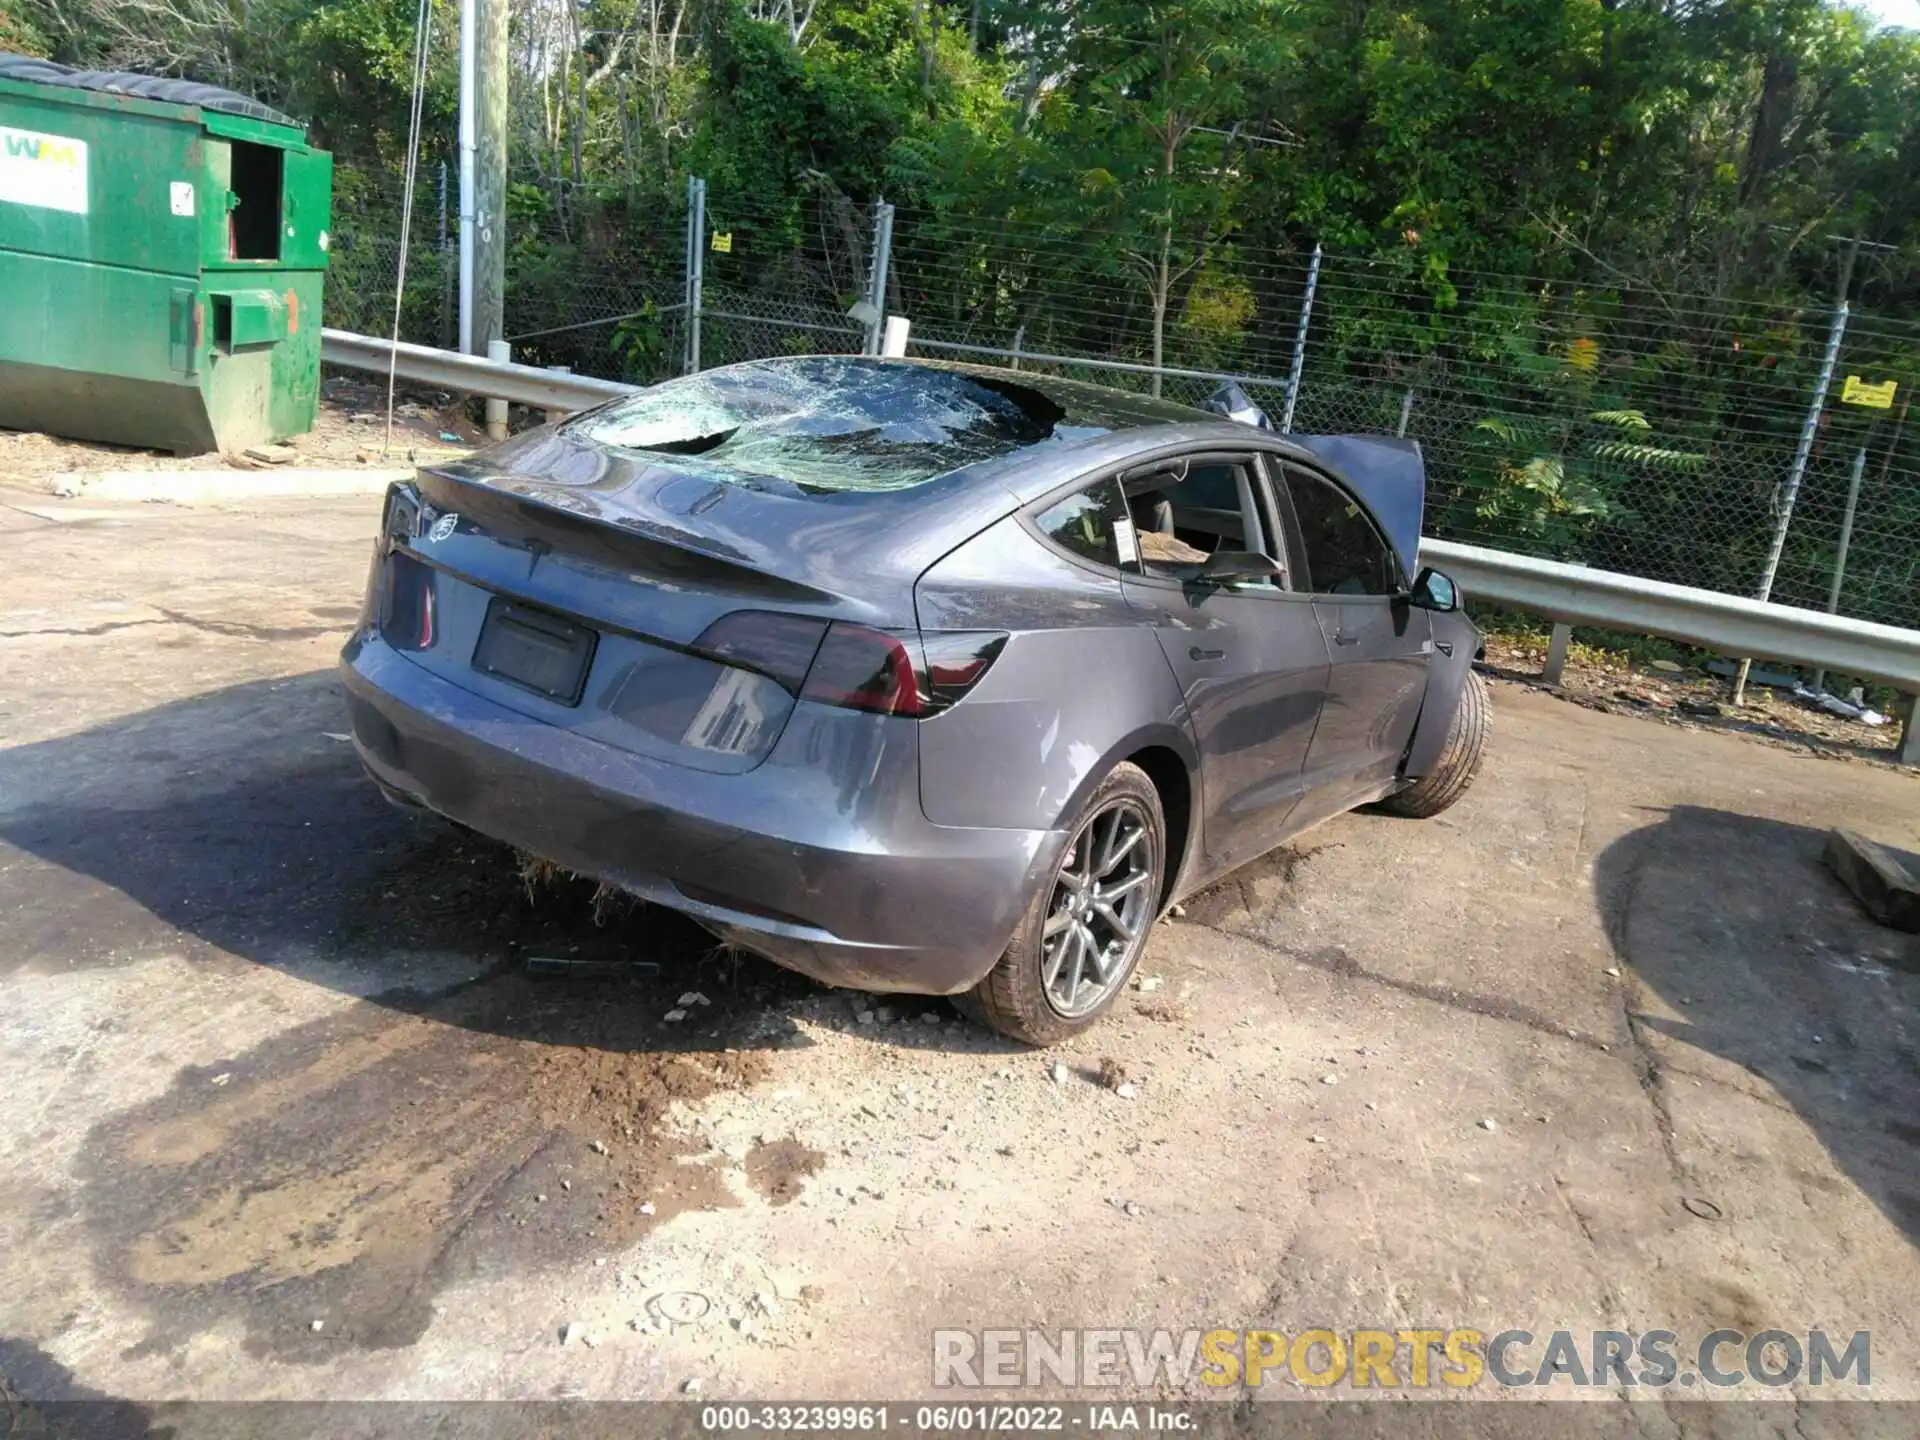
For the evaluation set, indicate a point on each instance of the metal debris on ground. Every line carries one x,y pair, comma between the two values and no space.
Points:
1852,708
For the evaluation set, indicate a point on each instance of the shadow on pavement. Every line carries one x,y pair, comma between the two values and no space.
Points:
39,1397
242,822
1735,923
458,1118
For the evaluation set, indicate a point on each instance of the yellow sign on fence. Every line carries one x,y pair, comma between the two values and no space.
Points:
1875,397
723,241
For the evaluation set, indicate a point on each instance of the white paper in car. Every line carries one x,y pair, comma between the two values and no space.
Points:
1125,541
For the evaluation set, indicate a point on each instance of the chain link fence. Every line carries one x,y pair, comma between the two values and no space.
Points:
1575,415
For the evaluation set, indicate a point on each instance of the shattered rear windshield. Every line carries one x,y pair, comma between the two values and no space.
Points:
828,422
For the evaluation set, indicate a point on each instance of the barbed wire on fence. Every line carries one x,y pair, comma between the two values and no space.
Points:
1570,415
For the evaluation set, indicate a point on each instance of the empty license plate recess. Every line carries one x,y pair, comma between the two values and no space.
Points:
535,650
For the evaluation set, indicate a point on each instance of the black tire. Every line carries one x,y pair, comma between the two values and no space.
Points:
1460,758
1014,997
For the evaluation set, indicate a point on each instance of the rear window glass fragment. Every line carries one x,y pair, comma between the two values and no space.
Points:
828,423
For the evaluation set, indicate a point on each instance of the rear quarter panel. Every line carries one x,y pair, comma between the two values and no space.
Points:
1080,685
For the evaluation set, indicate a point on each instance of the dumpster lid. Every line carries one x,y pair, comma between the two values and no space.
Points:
145,87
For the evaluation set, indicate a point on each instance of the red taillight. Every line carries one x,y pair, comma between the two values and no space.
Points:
409,620
955,662
864,669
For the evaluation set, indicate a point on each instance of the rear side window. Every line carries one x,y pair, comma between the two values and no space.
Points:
1186,512
1344,552
1083,524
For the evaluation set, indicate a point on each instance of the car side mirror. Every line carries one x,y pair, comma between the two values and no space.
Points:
1434,591
1223,567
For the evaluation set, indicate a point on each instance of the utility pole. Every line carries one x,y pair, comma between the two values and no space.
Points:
483,173
469,23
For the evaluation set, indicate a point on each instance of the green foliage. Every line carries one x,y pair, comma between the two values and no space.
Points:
1591,235
19,34
1549,480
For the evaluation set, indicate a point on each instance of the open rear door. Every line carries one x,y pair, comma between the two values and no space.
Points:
1390,475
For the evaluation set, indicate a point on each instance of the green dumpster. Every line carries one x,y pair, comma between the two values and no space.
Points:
162,248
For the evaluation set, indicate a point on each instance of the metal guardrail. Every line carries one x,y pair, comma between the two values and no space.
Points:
1575,594
450,370
1731,623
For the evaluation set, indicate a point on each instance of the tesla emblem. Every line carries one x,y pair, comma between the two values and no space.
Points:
444,527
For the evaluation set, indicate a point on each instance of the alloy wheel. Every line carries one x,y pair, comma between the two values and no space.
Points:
1100,910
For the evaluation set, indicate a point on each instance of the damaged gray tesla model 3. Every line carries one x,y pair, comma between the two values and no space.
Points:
910,676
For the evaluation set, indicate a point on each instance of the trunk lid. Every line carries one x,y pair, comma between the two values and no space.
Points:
572,582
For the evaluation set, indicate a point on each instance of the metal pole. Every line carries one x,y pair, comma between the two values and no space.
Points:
499,352
1019,339
469,22
687,246
1557,643
446,275
1840,559
877,282
1809,427
555,416
1406,413
1300,342
696,266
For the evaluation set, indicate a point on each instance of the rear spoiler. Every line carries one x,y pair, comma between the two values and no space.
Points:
1386,472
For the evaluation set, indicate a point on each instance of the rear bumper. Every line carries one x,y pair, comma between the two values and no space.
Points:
819,859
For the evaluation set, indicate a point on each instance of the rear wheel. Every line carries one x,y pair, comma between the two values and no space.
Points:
1459,760
1083,934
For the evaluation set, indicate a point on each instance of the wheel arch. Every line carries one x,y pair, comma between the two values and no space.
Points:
1167,754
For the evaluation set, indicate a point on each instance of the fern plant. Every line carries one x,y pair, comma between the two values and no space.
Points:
1551,481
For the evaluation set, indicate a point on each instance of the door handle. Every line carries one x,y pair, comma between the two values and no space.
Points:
1196,653
1346,639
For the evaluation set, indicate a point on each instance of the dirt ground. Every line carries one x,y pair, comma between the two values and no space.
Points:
1688,695
284,1114
351,430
